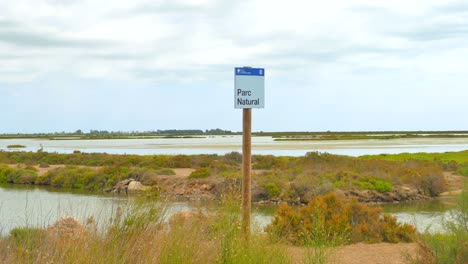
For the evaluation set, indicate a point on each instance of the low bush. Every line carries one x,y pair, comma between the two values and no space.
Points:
17,176
83,177
200,173
340,221
370,183
23,176
232,158
272,190
5,172
15,146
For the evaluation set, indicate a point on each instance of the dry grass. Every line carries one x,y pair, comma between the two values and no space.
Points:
141,235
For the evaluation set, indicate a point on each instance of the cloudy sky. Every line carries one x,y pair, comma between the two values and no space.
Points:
144,65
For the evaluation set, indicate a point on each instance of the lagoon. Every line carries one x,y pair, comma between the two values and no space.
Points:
34,206
224,144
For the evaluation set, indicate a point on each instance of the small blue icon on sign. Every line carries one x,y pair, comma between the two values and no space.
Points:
250,71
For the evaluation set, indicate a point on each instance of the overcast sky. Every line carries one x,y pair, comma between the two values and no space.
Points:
146,65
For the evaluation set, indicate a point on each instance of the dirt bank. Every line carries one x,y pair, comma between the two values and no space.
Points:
179,185
361,253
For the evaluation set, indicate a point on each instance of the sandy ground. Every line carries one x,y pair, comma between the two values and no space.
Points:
454,184
185,172
42,171
360,253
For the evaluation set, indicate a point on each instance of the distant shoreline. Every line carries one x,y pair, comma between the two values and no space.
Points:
278,136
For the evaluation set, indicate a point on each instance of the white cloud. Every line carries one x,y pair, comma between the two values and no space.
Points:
328,48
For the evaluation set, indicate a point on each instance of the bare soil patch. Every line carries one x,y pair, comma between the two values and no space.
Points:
454,184
185,172
361,253
42,171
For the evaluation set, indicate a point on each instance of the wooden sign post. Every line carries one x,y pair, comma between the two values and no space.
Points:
246,168
249,91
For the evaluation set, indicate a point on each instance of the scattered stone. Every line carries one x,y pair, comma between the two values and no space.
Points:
136,186
129,185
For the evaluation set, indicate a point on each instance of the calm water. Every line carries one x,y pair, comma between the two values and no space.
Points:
225,144
39,207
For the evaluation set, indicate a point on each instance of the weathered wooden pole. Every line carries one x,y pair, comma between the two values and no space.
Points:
249,86
246,168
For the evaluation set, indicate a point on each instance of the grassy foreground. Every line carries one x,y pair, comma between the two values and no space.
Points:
140,234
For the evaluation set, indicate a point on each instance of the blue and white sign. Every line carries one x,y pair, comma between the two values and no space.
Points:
249,87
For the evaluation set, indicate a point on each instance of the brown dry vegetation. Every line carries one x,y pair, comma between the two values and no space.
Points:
291,179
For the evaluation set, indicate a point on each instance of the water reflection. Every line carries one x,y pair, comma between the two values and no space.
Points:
23,205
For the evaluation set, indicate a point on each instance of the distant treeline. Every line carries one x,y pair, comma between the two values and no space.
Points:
337,133
121,134
290,135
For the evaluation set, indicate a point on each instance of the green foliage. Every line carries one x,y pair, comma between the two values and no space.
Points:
269,162
23,176
5,173
370,183
23,234
232,158
272,189
200,173
15,146
463,171
83,177
459,157
329,218
299,178
27,238
230,174
18,176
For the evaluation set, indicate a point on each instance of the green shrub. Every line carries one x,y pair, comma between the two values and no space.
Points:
17,176
15,146
264,162
370,183
272,189
200,173
232,158
80,177
463,171
383,186
27,238
24,176
5,173
230,174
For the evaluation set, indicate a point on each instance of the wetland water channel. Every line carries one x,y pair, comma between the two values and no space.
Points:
34,206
